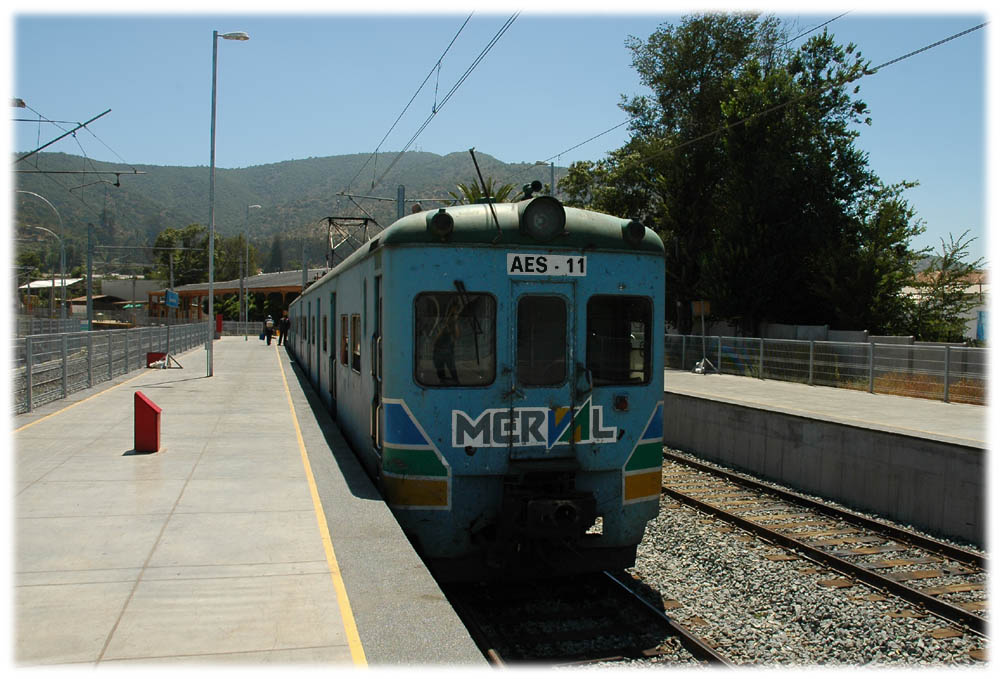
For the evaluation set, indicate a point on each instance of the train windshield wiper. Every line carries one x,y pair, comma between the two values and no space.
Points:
463,295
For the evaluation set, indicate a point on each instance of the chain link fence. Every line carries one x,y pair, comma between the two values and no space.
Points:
49,367
925,370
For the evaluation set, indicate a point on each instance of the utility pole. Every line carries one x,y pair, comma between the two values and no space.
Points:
305,267
90,277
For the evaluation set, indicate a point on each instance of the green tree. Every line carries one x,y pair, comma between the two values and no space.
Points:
29,264
276,257
863,286
229,254
940,301
228,306
189,247
742,159
473,193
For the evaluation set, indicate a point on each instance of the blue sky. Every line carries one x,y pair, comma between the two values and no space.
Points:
312,84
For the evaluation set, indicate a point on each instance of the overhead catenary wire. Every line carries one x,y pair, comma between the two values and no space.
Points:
435,67
814,28
70,190
776,107
503,29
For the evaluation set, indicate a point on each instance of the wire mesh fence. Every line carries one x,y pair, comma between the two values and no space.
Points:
46,368
925,370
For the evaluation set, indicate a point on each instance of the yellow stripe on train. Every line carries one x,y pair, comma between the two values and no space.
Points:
415,493
644,485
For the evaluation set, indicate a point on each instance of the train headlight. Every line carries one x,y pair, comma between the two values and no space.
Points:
440,223
543,218
633,232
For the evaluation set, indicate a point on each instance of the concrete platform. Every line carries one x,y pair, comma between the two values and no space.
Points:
912,460
950,422
251,537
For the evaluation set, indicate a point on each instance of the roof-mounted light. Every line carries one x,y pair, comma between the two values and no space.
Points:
440,223
633,232
543,218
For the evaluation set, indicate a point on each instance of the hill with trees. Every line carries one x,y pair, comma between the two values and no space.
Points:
134,207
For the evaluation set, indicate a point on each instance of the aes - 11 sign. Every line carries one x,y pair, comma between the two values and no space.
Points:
522,264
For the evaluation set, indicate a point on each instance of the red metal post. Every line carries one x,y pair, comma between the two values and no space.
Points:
147,424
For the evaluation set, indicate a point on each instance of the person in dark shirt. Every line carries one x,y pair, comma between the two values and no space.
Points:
283,326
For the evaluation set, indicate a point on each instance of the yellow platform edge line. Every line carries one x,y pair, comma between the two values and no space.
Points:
83,400
346,614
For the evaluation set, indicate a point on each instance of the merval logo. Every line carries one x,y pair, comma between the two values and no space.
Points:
540,426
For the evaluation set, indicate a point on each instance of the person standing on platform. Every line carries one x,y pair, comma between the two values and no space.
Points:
268,329
283,325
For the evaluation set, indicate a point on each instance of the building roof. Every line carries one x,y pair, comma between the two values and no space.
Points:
48,283
96,298
264,281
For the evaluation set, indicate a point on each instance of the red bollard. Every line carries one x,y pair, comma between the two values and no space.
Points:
147,424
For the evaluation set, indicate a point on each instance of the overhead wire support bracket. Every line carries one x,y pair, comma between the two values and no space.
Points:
62,136
393,200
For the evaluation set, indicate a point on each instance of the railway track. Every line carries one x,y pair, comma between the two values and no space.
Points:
573,621
887,558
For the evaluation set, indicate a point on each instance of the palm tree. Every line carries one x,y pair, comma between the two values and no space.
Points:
474,194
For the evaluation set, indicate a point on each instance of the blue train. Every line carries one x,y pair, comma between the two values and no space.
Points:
496,369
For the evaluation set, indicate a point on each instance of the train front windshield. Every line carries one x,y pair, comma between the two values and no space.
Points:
456,339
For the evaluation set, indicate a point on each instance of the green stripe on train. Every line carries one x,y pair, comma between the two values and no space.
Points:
410,462
646,456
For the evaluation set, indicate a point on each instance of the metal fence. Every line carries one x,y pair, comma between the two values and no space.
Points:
251,328
50,367
28,325
925,370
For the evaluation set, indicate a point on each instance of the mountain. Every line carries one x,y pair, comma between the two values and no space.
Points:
131,207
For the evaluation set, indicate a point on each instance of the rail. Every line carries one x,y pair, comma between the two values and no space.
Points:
944,372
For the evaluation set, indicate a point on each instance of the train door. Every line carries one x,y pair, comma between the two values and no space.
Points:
545,374
376,371
309,338
319,347
332,356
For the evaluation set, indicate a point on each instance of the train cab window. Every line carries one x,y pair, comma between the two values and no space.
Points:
619,329
455,344
541,340
356,342
343,340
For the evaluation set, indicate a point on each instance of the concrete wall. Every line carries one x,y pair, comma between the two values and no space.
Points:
935,486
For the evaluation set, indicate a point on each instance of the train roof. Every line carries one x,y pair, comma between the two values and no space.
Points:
474,225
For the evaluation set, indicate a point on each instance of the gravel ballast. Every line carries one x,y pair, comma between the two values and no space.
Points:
775,613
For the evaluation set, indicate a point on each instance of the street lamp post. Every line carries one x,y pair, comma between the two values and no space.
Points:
245,309
62,249
211,196
62,259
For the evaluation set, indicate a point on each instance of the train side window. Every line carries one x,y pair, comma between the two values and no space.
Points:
324,334
619,329
343,339
541,340
356,342
455,343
